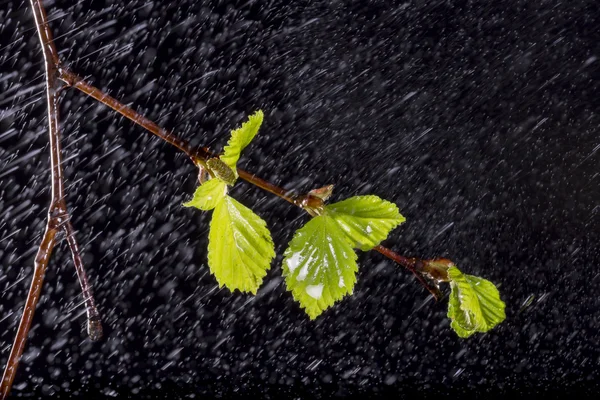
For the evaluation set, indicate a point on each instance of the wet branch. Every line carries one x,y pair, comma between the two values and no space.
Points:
41,262
58,216
197,155
200,155
59,219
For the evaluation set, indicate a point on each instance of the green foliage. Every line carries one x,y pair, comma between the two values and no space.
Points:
319,265
366,220
208,195
240,248
240,138
320,262
474,304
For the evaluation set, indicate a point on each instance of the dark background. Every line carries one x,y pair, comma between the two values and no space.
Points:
479,119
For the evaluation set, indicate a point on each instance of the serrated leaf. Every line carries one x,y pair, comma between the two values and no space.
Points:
240,138
366,220
474,304
319,265
208,195
240,248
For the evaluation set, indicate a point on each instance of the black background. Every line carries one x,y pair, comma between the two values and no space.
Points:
479,119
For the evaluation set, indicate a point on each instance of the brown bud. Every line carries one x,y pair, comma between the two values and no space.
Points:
322,193
437,269
310,201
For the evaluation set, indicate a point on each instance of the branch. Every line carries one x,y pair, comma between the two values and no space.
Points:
41,262
94,327
58,217
198,156
201,155
413,265
58,214
428,272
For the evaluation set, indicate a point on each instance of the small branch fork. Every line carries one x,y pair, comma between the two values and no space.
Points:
57,76
58,216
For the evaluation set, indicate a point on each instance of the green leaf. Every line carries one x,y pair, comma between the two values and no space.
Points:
319,265
474,304
240,248
240,138
208,195
366,220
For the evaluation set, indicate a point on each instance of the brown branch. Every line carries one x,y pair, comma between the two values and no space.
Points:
199,157
269,187
412,264
58,217
58,214
94,327
71,79
41,262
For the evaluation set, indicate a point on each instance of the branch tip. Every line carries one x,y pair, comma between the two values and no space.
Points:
94,328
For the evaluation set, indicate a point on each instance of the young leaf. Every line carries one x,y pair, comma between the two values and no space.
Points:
208,195
319,265
240,248
366,220
240,138
474,304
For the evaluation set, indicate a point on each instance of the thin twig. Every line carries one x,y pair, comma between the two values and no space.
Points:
94,327
199,156
41,262
411,265
57,213
58,217
71,79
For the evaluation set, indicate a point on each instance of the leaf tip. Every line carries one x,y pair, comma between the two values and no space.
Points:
258,115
